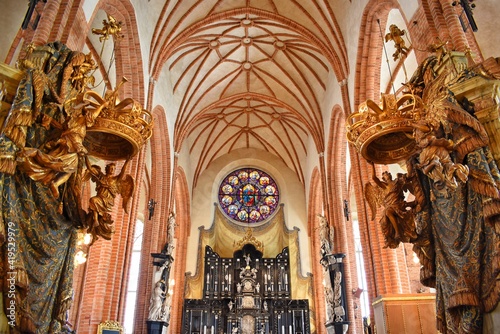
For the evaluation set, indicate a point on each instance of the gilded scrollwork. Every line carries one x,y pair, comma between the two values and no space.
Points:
108,186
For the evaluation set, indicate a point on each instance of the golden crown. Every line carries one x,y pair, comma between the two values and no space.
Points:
120,129
384,133
248,239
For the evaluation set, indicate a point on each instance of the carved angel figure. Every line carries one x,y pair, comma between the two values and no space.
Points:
171,228
435,161
397,219
110,28
108,185
395,34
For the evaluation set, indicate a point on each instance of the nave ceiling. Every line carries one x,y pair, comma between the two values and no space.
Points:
248,74
257,74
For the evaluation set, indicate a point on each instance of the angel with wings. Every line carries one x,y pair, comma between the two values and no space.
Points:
397,220
395,34
112,27
108,185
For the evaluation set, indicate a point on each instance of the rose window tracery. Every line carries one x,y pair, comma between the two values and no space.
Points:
248,195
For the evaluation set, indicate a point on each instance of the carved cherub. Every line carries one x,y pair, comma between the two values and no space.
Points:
395,34
435,160
110,28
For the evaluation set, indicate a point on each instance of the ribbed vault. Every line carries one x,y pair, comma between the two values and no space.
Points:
248,74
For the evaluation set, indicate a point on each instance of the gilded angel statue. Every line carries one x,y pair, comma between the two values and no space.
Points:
395,34
397,219
108,186
111,27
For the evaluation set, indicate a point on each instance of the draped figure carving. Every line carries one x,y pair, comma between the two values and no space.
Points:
454,218
54,123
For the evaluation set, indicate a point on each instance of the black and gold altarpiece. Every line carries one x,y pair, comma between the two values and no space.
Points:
246,294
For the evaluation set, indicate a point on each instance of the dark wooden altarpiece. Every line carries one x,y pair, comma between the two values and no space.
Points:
246,294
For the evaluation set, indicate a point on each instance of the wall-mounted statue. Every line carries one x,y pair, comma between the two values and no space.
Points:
54,124
454,217
108,186
326,235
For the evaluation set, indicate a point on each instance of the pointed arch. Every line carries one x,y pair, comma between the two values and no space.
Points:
183,220
155,230
316,208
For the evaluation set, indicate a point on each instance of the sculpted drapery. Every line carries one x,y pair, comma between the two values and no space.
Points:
460,215
453,221
40,194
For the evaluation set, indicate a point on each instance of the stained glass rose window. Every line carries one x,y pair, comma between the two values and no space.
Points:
248,195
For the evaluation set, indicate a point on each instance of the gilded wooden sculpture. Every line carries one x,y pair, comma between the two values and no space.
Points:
111,27
54,125
397,216
396,35
454,217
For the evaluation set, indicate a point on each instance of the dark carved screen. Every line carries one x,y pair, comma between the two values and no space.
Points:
246,294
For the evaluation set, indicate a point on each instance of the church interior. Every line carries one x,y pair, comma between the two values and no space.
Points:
250,166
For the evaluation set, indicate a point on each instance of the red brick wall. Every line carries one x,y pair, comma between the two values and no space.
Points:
315,208
155,230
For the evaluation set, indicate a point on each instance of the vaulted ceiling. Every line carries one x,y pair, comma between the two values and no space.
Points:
248,74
